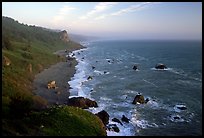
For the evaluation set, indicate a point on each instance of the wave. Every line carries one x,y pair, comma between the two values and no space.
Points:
167,69
150,83
101,72
79,77
184,74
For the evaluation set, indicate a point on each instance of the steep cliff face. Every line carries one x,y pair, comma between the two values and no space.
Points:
64,36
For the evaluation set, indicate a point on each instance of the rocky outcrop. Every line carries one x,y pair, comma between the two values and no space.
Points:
6,61
138,99
29,68
104,116
135,67
40,67
64,36
160,66
89,78
116,120
125,119
51,84
113,127
81,102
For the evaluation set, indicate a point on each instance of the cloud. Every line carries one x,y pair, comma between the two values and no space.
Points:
100,7
65,9
101,17
132,8
62,13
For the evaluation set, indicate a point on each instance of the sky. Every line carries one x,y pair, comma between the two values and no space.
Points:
113,20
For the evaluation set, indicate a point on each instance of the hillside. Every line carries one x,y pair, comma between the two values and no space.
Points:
26,51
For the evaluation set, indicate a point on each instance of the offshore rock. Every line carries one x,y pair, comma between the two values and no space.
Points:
81,102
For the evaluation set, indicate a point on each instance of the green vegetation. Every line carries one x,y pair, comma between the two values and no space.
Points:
29,49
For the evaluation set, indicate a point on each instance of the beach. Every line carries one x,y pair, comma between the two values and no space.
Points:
61,73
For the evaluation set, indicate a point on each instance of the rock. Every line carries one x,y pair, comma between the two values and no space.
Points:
113,127
176,117
125,119
135,67
147,100
51,84
93,67
182,107
81,102
117,120
6,61
104,116
138,99
105,72
160,66
40,67
89,78
29,68
64,36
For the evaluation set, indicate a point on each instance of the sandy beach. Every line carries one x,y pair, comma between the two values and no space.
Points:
61,73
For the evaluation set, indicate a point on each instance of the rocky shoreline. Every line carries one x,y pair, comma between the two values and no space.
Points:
61,73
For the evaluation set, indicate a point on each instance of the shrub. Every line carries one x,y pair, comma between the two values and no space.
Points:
27,55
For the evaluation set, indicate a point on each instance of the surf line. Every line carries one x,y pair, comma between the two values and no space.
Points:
150,83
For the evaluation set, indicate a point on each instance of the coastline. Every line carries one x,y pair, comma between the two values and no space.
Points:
62,72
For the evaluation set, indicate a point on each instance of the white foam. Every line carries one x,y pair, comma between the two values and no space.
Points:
167,69
153,104
105,99
76,82
101,72
180,119
144,124
176,109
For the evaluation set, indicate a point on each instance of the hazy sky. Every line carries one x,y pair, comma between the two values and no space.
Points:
128,20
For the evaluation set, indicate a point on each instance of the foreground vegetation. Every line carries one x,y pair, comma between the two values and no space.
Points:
29,50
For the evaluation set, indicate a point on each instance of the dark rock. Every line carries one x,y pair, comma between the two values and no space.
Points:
138,98
135,67
182,108
160,66
89,78
81,102
176,117
147,100
93,67
117,120
125,119
113,127
104,116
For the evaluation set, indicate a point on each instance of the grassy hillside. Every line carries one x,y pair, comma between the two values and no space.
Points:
29,50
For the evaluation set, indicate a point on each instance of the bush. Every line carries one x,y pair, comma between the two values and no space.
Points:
27,55
39,103
20,105
6,43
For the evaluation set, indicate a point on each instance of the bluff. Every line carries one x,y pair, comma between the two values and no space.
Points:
26,50
64,36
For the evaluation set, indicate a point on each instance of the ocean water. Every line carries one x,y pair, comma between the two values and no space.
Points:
115,84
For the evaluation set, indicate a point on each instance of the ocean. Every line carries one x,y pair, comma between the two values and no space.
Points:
115,84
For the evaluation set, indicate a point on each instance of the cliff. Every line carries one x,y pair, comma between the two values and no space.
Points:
64,36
